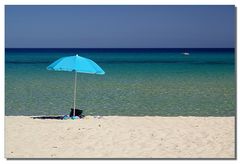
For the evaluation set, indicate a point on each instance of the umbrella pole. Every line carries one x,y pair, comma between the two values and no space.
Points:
75,88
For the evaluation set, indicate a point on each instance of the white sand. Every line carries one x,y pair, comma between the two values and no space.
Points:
120,137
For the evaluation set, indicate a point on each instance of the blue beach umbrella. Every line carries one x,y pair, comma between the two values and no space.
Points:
76,64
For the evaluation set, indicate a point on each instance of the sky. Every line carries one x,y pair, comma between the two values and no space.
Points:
120,26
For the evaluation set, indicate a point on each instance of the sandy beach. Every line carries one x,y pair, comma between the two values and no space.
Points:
120,137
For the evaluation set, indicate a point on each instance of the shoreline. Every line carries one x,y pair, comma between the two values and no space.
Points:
123,116
120,137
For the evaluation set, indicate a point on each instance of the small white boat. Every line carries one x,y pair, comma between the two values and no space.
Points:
186,53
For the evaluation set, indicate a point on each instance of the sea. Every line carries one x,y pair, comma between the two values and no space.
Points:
137,82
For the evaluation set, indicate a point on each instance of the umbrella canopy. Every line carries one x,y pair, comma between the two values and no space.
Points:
76,64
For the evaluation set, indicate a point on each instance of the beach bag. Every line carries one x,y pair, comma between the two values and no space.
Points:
78,113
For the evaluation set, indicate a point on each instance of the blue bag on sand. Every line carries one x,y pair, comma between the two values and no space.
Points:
66,117
74,117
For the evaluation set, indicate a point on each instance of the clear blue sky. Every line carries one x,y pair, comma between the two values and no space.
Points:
120,26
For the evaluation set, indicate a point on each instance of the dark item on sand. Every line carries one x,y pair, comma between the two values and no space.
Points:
78,113
48,117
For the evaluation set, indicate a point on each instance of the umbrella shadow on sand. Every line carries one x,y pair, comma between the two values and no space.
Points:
60,117
78,113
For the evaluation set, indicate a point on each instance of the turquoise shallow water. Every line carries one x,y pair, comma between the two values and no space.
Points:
136,83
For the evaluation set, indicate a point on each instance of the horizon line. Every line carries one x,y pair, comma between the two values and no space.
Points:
114,48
